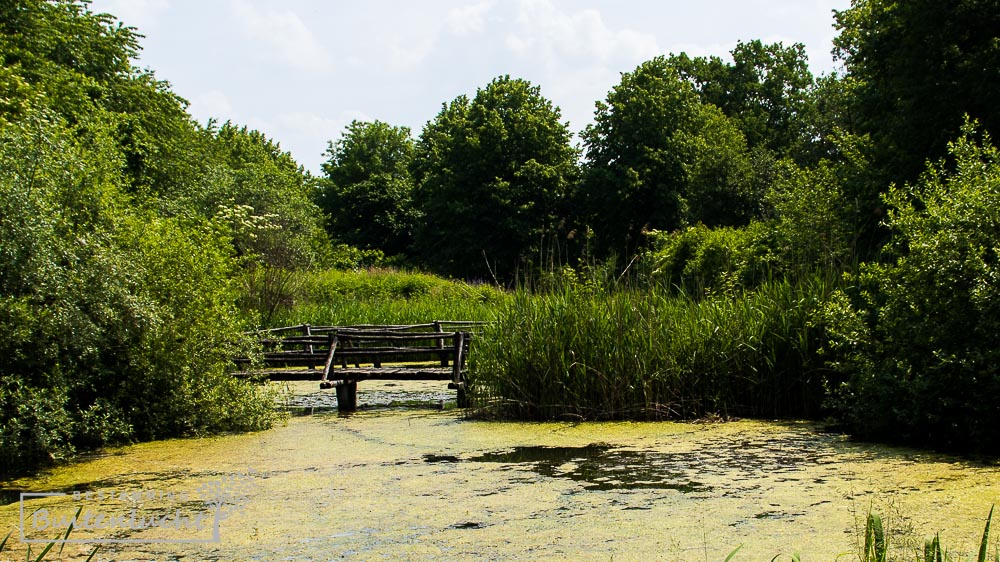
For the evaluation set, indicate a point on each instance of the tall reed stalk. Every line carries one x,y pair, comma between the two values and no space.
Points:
586,352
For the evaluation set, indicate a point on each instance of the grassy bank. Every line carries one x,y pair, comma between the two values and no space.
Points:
341,298
585,350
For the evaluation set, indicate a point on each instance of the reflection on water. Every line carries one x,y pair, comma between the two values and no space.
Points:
394,481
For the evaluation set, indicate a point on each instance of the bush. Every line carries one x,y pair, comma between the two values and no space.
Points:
699,260
118,324
918,338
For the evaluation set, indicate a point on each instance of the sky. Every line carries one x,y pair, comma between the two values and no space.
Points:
301,70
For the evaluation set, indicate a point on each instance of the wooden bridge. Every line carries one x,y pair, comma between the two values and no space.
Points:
341,356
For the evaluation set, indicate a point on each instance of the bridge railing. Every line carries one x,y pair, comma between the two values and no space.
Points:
341,356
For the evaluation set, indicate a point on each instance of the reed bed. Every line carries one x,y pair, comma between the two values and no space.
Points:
588,350
649,353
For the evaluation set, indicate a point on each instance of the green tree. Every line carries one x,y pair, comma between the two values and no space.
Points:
765,91
368,194
120,323
77,63
917,68
251,173
117,290
493,175
658,158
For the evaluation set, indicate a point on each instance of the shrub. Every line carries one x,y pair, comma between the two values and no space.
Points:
119,324
918,338
700,260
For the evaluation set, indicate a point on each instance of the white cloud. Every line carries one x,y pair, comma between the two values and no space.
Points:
469,20
317,125
142,14
405,53
289,37
545,30
211,104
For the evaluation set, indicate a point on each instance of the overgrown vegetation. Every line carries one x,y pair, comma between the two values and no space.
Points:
387,296
739,238
594,353
122,251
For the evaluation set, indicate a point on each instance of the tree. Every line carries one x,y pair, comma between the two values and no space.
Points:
659,158
118,307
765,91
251,172
78,63
368,194
493,174
917,68
120,323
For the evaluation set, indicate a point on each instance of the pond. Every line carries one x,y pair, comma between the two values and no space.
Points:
410,478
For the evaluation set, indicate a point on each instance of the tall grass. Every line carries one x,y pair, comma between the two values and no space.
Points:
386,297
876,548
605,350
648,353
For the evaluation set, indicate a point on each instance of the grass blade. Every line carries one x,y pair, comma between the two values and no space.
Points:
733,553
46,551
932,549
876,549
985,544
70,529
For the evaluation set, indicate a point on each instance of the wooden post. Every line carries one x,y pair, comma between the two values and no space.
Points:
329,356
456,369
309,349
440,342
457,377
347,396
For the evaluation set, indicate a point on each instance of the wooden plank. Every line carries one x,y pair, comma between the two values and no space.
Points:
395,336
283,374
391,373
295,340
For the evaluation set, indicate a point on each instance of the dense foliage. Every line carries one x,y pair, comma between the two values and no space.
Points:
127,233
732,236
493,175
916,337
369,189
915,68
659,158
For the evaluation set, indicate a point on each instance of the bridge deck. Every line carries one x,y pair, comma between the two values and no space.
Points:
341,357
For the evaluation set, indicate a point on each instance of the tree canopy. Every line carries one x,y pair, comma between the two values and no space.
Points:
493,174
765,91
659,158
368,190
916,69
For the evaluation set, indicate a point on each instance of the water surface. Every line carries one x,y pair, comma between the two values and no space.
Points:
409,478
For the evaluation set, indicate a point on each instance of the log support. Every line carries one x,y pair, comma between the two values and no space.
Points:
347,396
